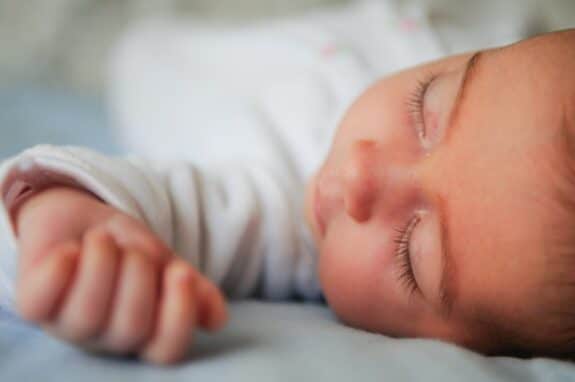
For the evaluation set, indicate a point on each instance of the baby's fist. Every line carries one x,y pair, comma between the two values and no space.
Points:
118,289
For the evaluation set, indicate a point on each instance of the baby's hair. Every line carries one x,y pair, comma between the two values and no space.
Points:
552,332
561,248
561,256
546,327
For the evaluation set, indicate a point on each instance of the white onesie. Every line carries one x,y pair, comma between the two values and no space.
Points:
224,126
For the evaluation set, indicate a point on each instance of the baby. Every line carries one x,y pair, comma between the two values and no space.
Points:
443,210
450,215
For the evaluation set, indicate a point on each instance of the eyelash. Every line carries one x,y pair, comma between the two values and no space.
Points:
406,275
415,102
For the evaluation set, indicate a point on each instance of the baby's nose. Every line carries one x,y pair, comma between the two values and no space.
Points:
360,180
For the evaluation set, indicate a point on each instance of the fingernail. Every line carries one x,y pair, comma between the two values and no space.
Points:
183,273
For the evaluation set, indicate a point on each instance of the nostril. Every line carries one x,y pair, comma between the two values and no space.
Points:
359,197
360,181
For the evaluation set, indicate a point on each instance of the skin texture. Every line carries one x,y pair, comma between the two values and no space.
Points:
102,280
479,184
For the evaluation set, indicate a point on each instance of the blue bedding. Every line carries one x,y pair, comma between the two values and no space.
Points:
264,341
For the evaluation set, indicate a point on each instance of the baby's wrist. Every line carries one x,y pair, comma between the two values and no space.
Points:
65,199
25,184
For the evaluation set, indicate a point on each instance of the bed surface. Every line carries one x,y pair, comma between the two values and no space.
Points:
264,341
274,342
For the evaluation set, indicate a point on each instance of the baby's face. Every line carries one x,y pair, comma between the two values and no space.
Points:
432,211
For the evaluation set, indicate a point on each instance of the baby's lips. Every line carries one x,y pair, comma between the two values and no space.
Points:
319,219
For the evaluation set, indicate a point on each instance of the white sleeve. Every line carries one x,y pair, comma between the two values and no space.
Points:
241,224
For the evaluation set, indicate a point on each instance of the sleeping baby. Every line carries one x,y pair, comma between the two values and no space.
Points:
439,201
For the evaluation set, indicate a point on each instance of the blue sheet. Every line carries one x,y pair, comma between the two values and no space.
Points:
264,341
31,115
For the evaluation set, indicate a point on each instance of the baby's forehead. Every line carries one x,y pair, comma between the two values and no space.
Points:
535,78
550,56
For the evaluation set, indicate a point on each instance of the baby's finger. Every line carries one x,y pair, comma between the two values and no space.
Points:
132,234
212,311
40,289
211,304
176,316
85,310
134,306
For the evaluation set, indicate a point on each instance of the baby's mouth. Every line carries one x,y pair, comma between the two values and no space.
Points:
317,203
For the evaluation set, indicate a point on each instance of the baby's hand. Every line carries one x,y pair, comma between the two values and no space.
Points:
117,289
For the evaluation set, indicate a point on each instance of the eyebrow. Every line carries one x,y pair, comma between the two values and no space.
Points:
447,276
447,282
469,74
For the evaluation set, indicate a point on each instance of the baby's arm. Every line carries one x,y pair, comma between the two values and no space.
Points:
240,224
94,276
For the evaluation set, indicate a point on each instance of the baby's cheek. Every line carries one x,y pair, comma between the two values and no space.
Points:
336,277
347,276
